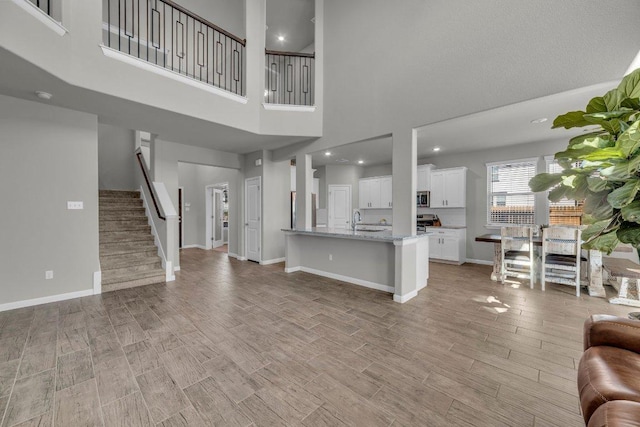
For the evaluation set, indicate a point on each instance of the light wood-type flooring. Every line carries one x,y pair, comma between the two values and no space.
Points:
237,344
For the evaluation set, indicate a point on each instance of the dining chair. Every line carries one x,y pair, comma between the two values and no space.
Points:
561,256
517,253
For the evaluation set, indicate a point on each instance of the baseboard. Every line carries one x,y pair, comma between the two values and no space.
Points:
479,261
236,256
348,279
404,298
97,282
194,247
272,261
177,268
45,300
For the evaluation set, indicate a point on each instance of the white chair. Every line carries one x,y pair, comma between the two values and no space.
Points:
561,256
517,254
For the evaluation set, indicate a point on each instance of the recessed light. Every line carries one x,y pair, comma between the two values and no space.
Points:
360,162
327,153
436,149
538,121
43,95
281,38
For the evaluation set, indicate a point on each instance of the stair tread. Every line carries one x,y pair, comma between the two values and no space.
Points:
126,249
127,277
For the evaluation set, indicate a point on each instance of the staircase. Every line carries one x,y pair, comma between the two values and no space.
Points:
128,254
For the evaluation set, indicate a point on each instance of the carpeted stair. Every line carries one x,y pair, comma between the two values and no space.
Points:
128,255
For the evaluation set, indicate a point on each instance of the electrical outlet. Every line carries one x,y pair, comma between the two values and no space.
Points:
48,275
75,205
330,257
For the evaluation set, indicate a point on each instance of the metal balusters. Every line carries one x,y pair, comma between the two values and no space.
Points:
44,6
166,34
289,78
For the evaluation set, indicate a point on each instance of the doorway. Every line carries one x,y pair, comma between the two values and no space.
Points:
252,224
180,217
339,206
217,217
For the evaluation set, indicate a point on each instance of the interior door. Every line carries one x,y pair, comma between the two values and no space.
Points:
339,206
252,218
216,218
180,217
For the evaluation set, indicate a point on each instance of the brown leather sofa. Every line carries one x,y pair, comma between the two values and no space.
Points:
609,372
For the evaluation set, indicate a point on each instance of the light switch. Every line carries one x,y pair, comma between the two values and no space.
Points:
48,275
75,205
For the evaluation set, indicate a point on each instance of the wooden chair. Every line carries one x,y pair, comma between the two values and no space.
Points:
517,254
561,259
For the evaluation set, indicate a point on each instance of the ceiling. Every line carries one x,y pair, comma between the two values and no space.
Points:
290,19
371,152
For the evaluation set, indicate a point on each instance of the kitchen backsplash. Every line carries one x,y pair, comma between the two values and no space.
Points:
454,216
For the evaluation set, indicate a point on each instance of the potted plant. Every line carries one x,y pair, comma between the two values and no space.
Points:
602,167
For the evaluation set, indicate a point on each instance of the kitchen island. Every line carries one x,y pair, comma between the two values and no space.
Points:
376,259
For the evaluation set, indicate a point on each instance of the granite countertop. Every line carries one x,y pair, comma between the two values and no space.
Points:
379,236
450,227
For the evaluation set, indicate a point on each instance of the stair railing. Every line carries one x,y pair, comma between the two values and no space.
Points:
149,186
168,35
43,5
289,78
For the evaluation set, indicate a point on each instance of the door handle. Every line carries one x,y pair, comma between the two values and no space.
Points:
246,224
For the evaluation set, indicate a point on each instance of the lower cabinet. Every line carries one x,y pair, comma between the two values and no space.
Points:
448,244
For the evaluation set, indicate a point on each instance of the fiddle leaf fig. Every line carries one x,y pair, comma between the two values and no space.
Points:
624,195
570,120
601,168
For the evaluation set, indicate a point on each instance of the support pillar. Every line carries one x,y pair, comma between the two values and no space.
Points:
304,188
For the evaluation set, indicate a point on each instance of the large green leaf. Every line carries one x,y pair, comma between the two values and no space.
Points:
629,140
593,139
596,228
596,105
630,85
570,120
597,207
607,115
613,99
544,181
591,154
618,172
576,185
558,193
624,195
596,184
631,212
629,232
604,243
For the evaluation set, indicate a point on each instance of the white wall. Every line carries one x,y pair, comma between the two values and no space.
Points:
116,159
276,206
48,156
194,179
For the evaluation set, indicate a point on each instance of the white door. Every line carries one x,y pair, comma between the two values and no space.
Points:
216,218
339,206
252,218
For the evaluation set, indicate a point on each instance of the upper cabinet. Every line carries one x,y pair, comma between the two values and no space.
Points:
449,188
424,178
375,193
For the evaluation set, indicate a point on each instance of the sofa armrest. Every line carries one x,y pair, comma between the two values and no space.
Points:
612,331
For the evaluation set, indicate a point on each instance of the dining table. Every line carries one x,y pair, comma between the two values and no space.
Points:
594,272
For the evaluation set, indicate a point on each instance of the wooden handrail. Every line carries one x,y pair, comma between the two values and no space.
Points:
243,42
283,53
146,178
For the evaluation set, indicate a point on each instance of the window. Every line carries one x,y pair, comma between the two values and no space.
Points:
565,211
510,200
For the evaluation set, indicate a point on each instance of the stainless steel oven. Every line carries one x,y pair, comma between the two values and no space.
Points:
423,199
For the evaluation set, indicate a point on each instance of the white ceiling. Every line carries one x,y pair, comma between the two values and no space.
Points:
290,19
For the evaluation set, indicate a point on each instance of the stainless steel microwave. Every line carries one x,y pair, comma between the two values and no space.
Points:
423,199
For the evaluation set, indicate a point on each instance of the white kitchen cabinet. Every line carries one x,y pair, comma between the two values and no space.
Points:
449,188
448,244
370,193
386,195
423,182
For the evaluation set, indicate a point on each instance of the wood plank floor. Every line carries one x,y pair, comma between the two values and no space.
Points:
238,344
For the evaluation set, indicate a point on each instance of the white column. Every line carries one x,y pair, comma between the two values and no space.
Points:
405,161
255,22
304,187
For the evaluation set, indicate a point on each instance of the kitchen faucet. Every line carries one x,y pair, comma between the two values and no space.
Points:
354,221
